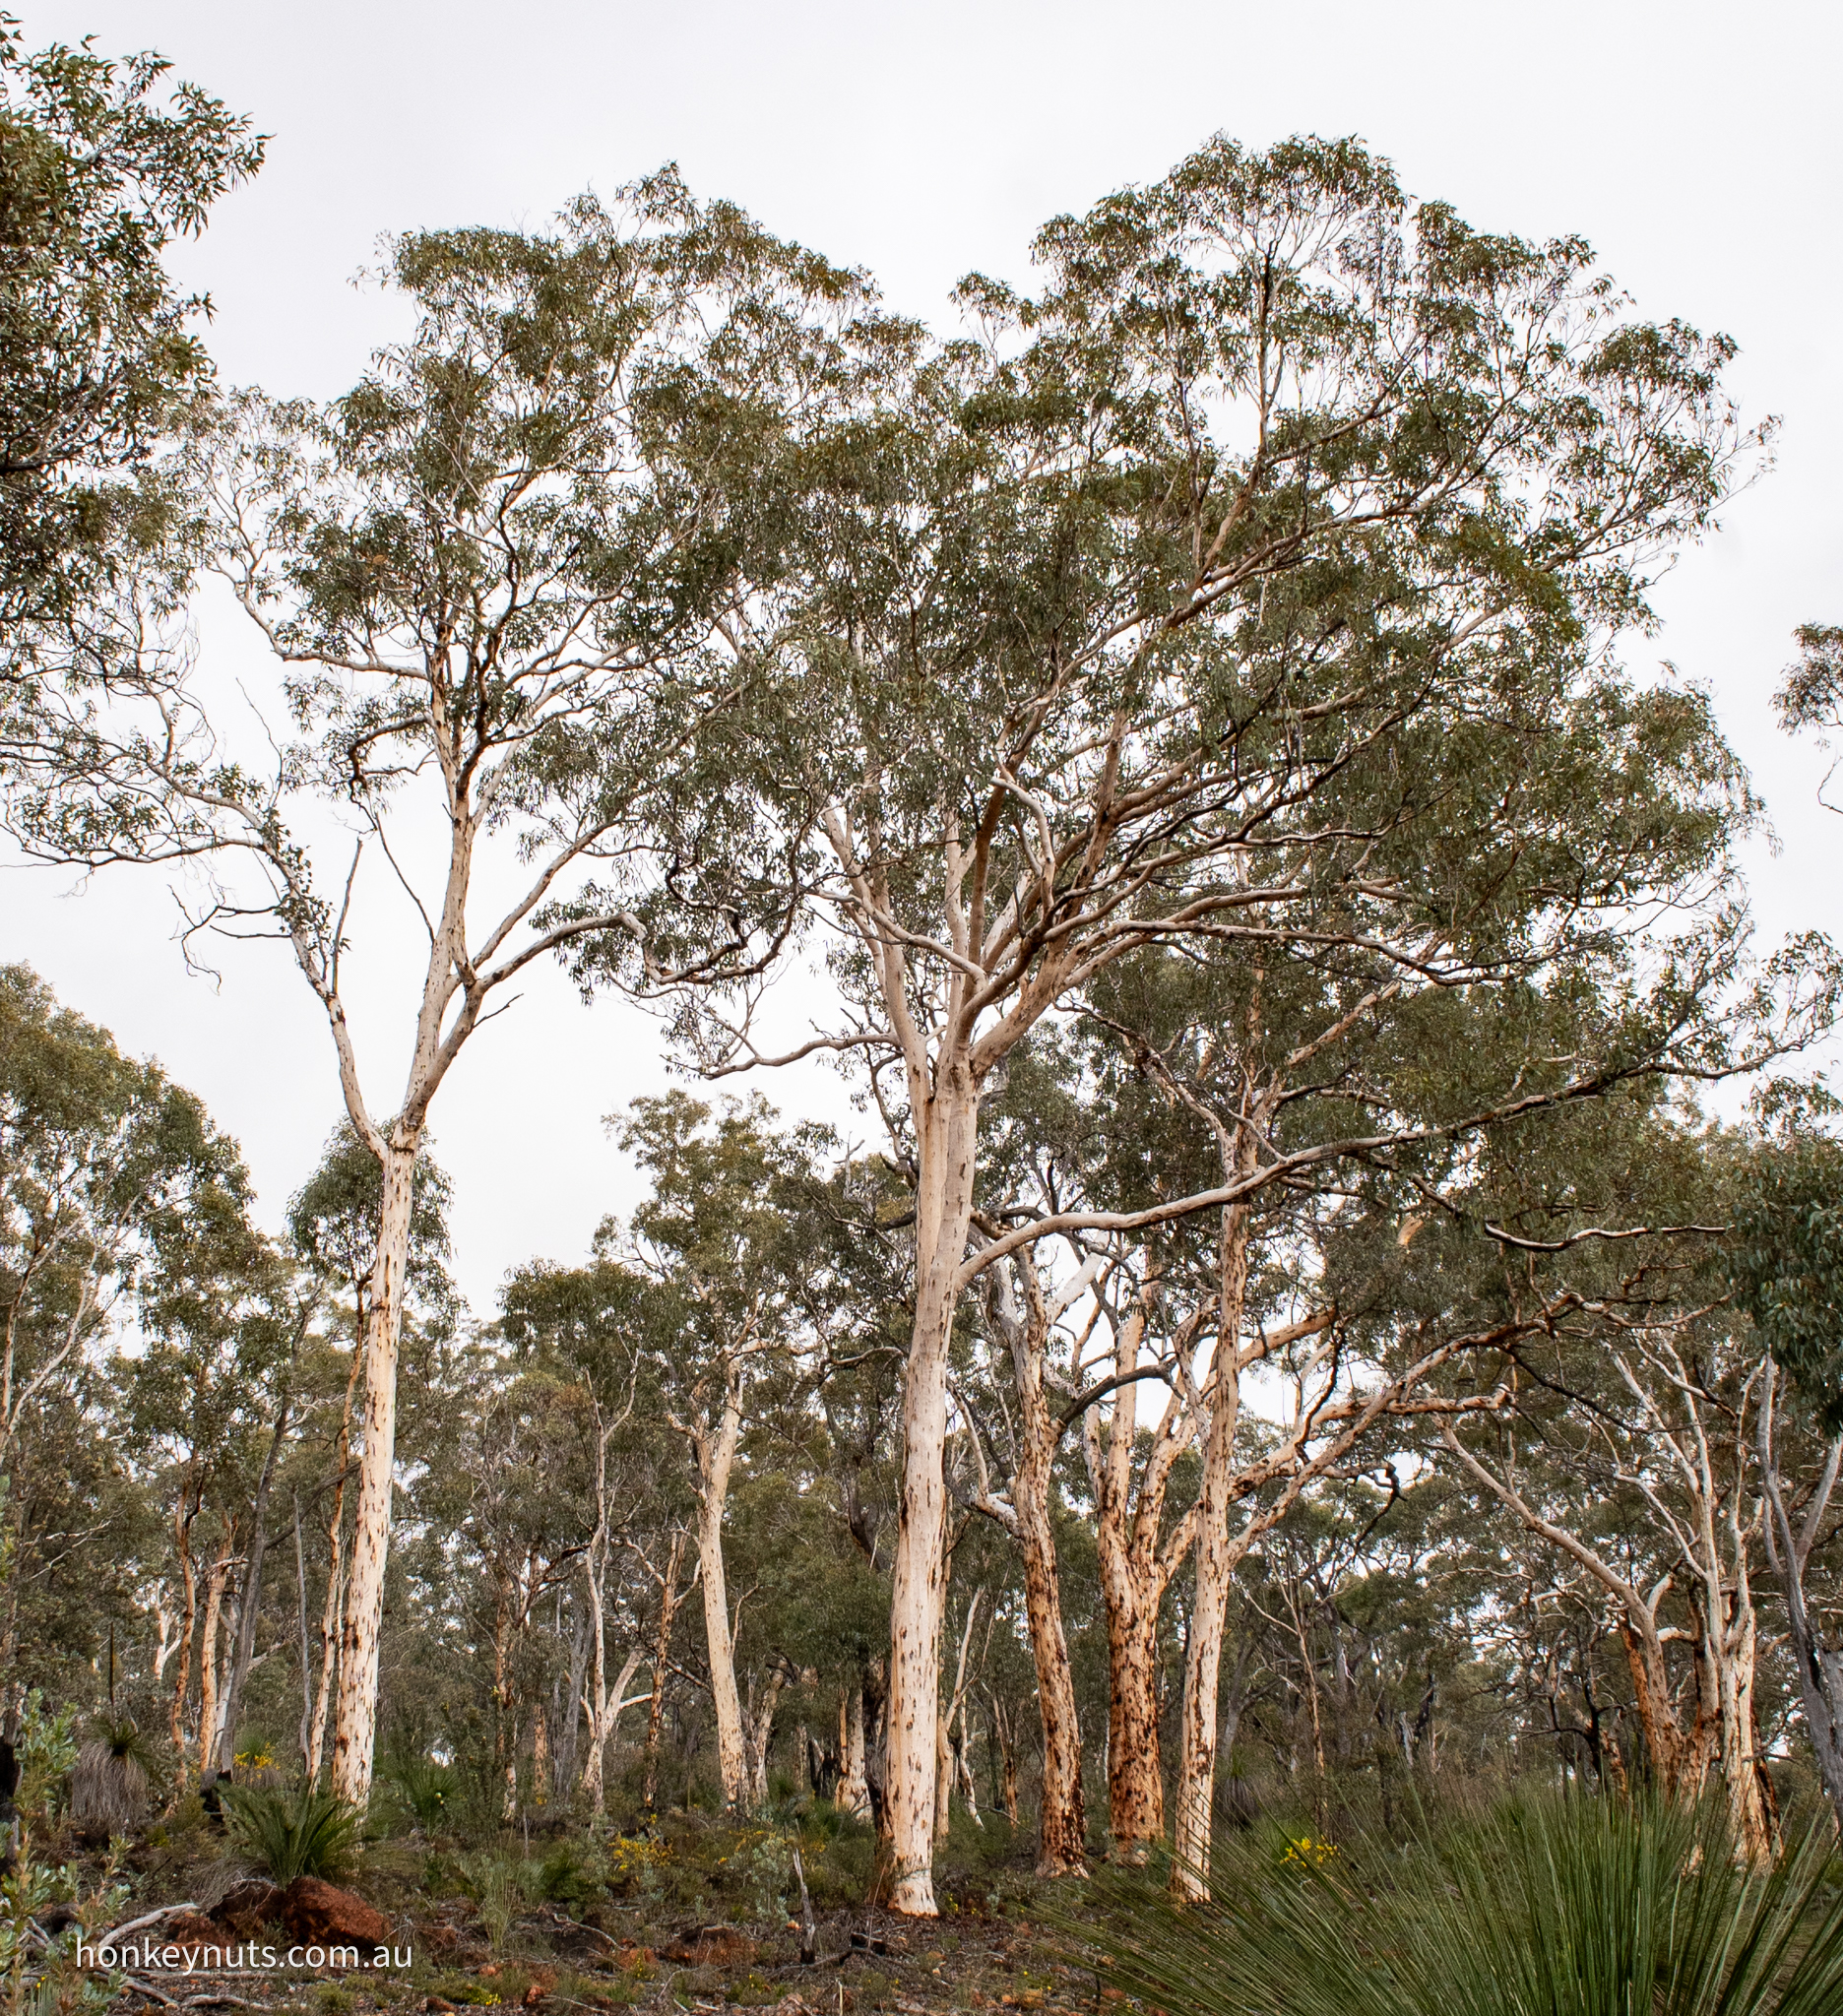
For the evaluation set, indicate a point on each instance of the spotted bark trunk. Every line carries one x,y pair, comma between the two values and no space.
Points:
354,1735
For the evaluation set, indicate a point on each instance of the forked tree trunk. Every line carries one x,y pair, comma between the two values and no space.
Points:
354,1734
759,1732
602,1722
1725,1655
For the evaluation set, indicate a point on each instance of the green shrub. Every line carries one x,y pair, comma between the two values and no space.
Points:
499,1885
425,1789
47,1751
303,1832
572,1872
1544,1907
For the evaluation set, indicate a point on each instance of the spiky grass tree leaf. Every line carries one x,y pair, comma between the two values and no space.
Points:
1543,1907
303,1832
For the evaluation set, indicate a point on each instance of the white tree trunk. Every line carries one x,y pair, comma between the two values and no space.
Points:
947,1124
1216,1557
716,1452
354,1734
854,1786
759,1732
604,1713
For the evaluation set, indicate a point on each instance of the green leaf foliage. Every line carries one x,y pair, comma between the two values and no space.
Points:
104,163
1787,1263
1546,1906
300,1833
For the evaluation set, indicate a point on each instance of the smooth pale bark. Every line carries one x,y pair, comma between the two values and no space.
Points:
216,1581
356,1719
758,1731
569,1705
946,1757
715,1449
604,1715
1217,1551
1788,1550
946,1129
854,1786
661,1640
249,1602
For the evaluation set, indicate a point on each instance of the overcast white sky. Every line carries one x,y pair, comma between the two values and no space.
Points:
1698,147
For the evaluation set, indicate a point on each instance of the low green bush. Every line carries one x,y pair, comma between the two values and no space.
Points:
424,1788
300,1833
501,1884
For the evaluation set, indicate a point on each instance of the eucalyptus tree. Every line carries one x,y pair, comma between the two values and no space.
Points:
104,164
1255,582
1642,1388
207,1403
607,1329
717,1236
1786,1264
1813,694
332,1232
522,534
103,1164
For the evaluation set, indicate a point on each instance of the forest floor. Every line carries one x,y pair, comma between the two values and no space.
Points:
473,1930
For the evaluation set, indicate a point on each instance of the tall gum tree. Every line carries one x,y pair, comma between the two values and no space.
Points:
1274,552
496,573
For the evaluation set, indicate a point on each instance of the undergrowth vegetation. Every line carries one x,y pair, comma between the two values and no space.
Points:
289,1834
1536,1905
